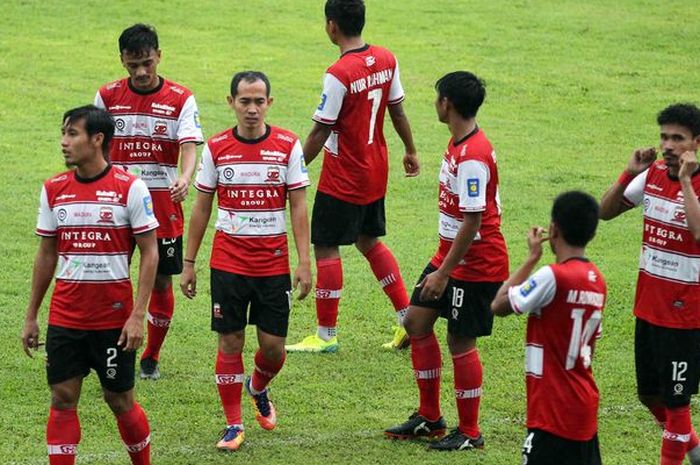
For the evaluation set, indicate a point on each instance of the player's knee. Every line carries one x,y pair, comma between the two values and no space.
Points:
415,326
231,343
119,402
162,282
366,243
64,398
460,344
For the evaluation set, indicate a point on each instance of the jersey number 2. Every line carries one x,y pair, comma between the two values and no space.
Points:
376,97
579,345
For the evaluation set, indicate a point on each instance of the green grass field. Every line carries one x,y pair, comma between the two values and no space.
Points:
572,88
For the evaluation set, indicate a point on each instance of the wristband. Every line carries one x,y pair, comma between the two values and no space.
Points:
625,178
187,260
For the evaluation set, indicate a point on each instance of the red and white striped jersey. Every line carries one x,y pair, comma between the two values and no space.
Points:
565,303
150,126
94,222
668,285
356,91
251,179
469,183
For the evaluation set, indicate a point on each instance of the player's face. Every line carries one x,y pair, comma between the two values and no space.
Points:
676,140
77,146
331,31
251,104
142,68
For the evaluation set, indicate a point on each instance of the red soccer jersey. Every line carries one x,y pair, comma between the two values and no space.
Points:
469,183
251,180
150,126
565,303
94,222
356,91
668,286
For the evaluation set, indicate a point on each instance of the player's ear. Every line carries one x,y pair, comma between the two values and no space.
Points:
270,100
229,99
97,139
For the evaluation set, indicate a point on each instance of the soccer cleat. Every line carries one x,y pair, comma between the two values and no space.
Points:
265,413
400,341
417,426
149,369
314,344
457,440
231,439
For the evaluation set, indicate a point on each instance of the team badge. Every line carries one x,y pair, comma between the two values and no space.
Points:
160,128
216,310
473,187
106,215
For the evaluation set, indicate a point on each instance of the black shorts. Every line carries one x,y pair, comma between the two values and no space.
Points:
71,353
170,255
336,222
465,304
269,298
543,448
667,362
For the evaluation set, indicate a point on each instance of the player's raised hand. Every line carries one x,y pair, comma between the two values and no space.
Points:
641,160
689,164
30,337
131,337
535,238
302,280
411,165
188,281
179,188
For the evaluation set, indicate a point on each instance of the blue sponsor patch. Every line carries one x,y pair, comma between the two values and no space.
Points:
304,169
528,287
473,187
196,120
148,205
322,105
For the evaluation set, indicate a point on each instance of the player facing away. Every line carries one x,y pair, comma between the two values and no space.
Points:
667,300
88,220
251,168
462,278
157,124
349,204
564,302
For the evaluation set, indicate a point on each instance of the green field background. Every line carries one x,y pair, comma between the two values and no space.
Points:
573,87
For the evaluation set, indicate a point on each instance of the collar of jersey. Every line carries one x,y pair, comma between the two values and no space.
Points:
356,50
94,178
251,141
157,88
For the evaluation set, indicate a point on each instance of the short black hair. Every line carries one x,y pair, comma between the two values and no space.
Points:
349,15
683,114
138,39
464,90
96,120
576,215
249,77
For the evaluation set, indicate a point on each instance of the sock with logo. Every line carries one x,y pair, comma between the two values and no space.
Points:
469,374
136,434
329,284
676,435
62,436
229,382
160,313
427,362
264,371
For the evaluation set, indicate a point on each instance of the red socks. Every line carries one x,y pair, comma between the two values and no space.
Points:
329,283
62,436
136,434
386,270
160,312
264,371
229,382
426,358
676,435
468,378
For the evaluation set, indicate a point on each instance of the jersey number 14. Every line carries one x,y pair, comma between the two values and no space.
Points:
581,335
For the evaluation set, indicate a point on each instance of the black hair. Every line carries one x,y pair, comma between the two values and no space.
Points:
683,114
249,77
138,39
576,215
349,15
96,120
464,90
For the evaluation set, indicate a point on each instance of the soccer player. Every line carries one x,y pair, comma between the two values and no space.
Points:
349,205
88,219
252,168
667,301
564,303
157,123
462,278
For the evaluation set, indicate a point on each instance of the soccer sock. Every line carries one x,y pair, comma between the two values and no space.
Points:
264,371
659,412
676,435
386,270
160,312
468,378
426,358
329,283
62,436
229,382
136,434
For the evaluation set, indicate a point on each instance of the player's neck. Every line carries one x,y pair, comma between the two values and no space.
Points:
567,252
350,43
461,128
92,168
251,133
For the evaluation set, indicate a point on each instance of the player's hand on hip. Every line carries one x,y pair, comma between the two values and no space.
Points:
188,281
641,160
30,337
535,238
131,337
178,189
302,281
689,164
411,165
433,286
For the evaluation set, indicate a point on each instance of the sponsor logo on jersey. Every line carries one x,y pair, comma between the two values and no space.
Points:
106,215
528,287
285,138
61,214
60,178
322,104
71,267
214,140
119,107
120,124
148,205
160,128
304,169
108,196
473,187
592,277
162,108
65,197
370,60
229,173
197,122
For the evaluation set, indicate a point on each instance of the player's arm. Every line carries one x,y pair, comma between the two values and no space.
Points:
403,129
501,305
689,165
613,203
199,218
188,160
44,267
315,141
300,227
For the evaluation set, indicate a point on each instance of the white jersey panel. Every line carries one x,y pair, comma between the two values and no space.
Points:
634,192
297,174
251,223
396,93
189,127
140,208
536,292
472,178
93,268
207,175
99,103
46,223
331,100
671,266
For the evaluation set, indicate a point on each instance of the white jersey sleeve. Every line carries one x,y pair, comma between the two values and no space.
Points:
331,100
139,206
188,127
535,293
207,175
396,94
634,193
472,178
99,103
297,174
46,224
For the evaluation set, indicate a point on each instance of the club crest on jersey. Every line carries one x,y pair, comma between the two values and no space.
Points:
148,205
528,287
216,310
370,60
106,215
273,174
160,128
473,187
322,104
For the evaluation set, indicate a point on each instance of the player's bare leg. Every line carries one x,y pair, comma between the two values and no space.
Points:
269,360
160,313
63,427
132,423
229,382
